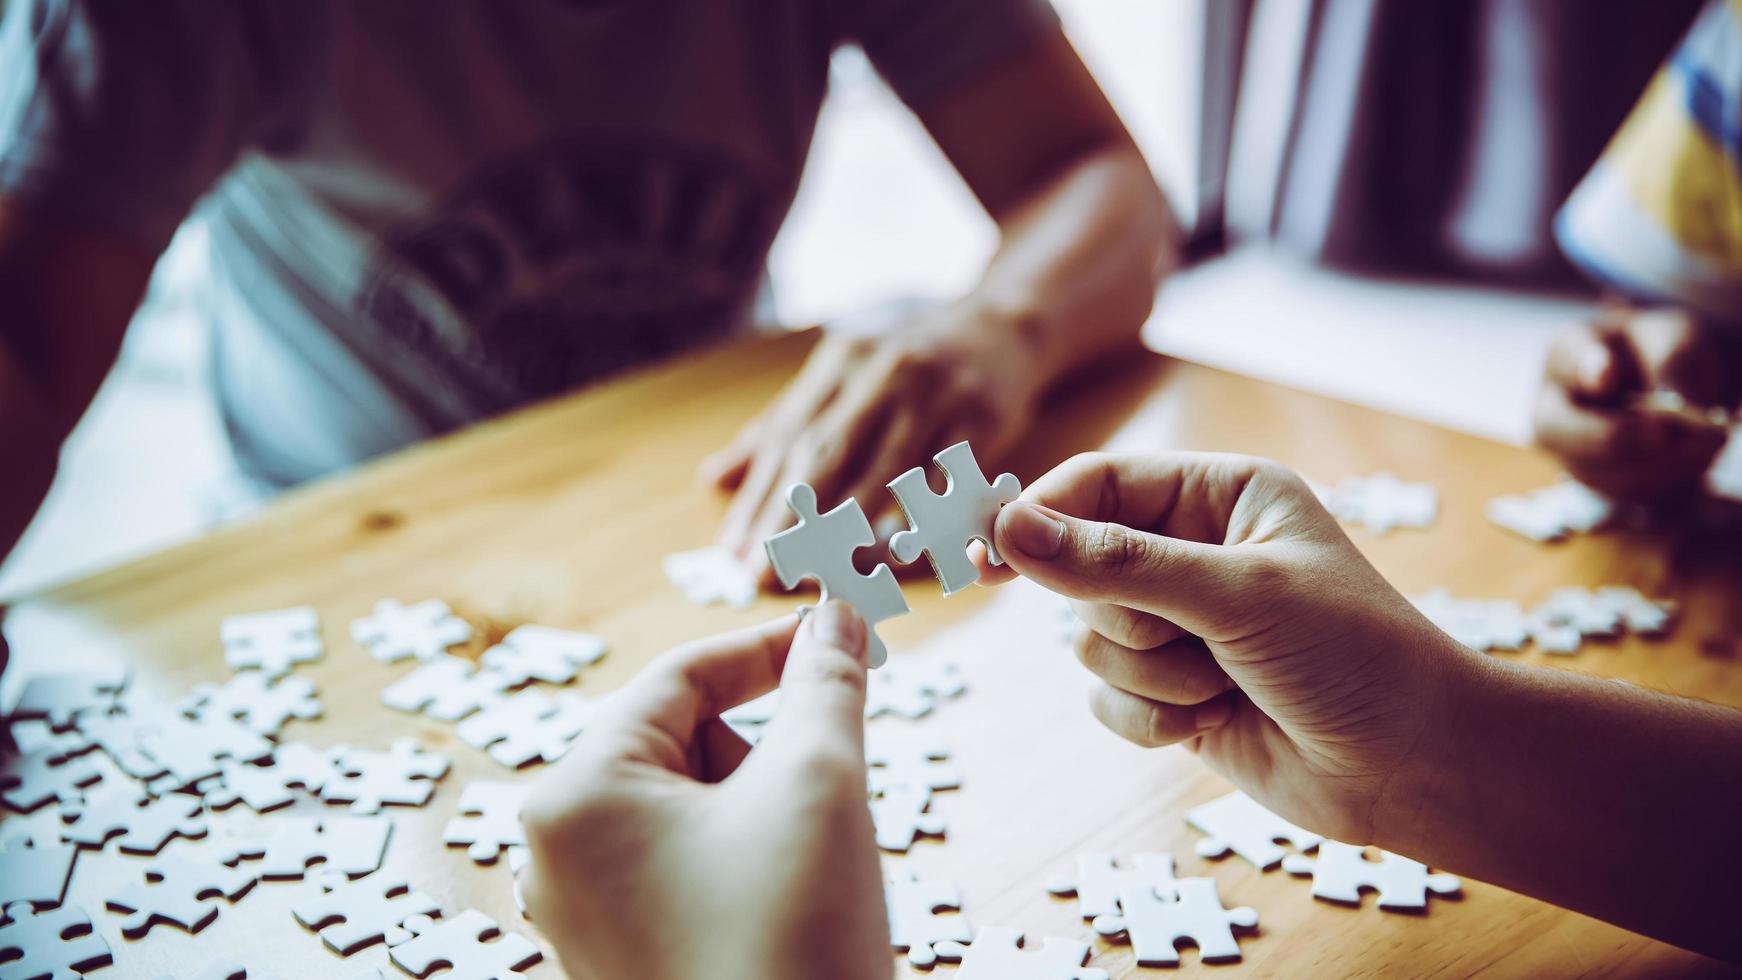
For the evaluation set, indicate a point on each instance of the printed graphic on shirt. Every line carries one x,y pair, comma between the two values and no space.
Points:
569,262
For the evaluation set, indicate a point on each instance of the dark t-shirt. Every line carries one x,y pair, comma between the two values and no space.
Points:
423,212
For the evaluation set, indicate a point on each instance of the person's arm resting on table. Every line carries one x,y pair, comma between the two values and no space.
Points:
1085,240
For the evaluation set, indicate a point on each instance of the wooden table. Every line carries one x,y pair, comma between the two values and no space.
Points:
561,515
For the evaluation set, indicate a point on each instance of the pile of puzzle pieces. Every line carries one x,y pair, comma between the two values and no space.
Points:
1560,624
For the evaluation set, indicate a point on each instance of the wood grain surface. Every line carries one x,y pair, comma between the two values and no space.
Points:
561,515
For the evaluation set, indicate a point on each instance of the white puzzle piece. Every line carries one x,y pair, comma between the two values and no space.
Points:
914,922
709,575
1342,870
1154,922
900,817
488,820
540,653
1236,823
352,846
912,688
60,699
998,954
944,524
59,944
1382,502
143,823
261,705
821,546
179,891
35,871
1098,881
1552,512
446,689
471,943
121,732
48,774
352,915
272,642
228,970
394,631
896,758
748,719
530,726
404,775
192,751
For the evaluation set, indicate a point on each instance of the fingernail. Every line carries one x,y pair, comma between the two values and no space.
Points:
1034,532
1213,713
837,625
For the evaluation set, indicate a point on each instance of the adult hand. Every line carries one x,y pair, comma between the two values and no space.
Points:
1227,610
1587,413
663,848
864,409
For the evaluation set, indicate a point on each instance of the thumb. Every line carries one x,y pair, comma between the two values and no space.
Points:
1095,561
822,694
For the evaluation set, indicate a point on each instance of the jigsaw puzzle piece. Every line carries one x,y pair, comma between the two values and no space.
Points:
914,922
472,945
259,704
1098,881
1236,822
1155,922
351,915
143,823
942,525
1342,870
35,871
58,944
273,641
541,653
894,760
997,953
60,698
404,775
912,688
446,688
178,891
30,779
394,631
709,575
353,846
900,817
529,726
821,546
488,820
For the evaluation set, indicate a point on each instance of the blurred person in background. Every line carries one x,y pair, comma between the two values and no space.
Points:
425,213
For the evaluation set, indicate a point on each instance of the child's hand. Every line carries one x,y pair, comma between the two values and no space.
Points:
1226,609
1586,410
661,850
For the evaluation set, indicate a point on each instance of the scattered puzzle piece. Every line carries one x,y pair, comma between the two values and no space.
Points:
121,732
262,788
821,546
228,970
914,922
351,845
58,944
912,688
900,817
446,688
529,726
144,823
997,953
29,780
709,575
394,631
192,751
35,871
404,775
1342,870
488,819
351,915
1098,882
1154,922
263,706
894,760
1236,823
471,944
540,653
1552,512
179,891
60,699
944,524
272,642
1382,502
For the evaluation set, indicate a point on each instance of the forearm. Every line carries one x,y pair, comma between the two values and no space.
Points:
1081,260
1595,795
30,442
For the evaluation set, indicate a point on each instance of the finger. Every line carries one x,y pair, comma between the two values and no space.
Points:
1183,672
1151,724
1127,627
655,718
1591,365
1623,437
727,467
1181,581
821,721
898,447
826,457
1184,495
759,486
